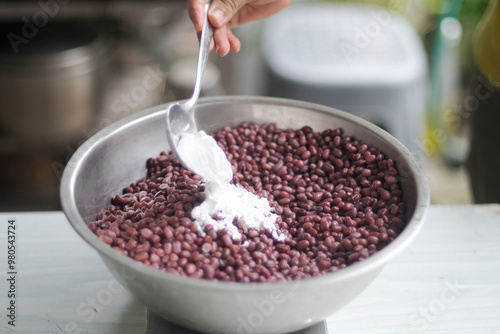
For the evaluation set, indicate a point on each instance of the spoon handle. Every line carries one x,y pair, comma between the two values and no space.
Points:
206,38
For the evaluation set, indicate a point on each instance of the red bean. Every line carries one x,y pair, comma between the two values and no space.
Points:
353,257
303,244
339,202
190,268
206,247
146,233
348,206
131,244
347,244
142,256
106,239
226,239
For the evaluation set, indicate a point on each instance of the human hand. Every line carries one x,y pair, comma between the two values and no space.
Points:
227,14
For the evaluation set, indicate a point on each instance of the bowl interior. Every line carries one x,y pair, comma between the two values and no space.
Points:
117,155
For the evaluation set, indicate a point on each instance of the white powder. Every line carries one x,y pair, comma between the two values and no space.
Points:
204,157
223,200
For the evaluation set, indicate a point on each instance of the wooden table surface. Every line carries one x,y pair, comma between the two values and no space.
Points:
447,281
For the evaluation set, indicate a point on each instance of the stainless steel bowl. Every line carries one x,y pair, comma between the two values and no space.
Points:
116,156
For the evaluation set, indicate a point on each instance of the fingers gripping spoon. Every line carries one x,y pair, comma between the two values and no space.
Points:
196,150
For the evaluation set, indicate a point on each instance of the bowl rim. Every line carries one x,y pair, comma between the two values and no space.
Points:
379,259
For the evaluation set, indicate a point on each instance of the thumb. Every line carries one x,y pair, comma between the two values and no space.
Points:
221,11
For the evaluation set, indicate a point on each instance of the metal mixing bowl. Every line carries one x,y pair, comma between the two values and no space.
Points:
116,156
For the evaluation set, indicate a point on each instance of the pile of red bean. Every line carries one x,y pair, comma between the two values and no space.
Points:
339,202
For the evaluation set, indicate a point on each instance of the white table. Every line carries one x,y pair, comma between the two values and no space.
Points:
447,281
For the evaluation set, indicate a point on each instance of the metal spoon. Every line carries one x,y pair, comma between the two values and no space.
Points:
181,116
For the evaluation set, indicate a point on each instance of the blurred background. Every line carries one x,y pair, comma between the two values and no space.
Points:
69,68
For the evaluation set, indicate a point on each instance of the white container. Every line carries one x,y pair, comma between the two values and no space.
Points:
363,59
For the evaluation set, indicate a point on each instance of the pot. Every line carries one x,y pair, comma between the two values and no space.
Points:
51,80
